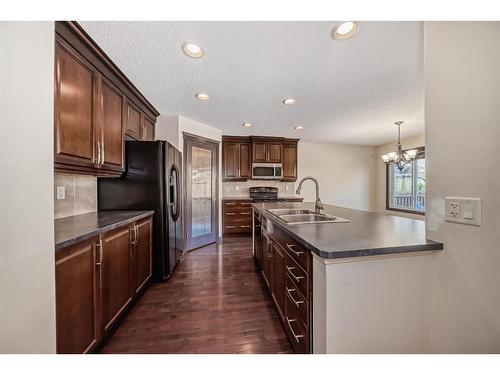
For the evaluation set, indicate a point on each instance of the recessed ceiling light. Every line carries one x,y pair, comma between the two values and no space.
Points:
247,125
289,101
298,127
192,50
202,96
344,30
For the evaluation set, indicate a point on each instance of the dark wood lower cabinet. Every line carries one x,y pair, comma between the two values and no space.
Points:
286,268
96,280
115,274
77,298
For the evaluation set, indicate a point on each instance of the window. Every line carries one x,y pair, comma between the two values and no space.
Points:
406,188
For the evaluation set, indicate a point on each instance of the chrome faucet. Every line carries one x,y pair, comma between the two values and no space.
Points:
318,206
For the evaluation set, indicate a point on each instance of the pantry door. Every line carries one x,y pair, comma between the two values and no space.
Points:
201,161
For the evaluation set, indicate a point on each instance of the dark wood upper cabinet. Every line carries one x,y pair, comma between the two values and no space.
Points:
236,158
133,120
115,274
275,152
148,130
238,154
111,132
74,117
267,149
290,160
77,298
94,106
259,152
278,262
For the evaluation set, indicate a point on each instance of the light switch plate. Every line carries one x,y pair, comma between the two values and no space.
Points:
60,192
463,210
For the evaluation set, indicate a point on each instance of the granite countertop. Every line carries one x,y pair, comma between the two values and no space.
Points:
367,233
72,229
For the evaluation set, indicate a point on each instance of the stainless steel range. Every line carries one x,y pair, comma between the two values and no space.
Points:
264,194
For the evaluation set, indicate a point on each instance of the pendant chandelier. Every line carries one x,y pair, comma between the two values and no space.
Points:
399,158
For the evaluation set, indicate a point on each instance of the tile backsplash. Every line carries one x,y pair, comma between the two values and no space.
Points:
241,188
80,194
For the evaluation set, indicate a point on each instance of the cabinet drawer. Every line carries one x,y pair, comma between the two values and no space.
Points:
296,330
237,226
296,251
237,214
237,204
298,276
297,301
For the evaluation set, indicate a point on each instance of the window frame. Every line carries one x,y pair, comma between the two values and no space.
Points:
420,155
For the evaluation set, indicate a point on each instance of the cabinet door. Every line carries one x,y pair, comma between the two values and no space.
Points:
111,132
133,120
245,167
259,152
274,153
278,263
75,87
230,160
266,256
77,297
148,130
141,250
115,274
290,162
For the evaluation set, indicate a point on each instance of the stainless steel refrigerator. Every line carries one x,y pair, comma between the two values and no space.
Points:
152,181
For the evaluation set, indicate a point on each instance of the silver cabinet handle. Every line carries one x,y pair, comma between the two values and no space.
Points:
136,231
289,292
230,226
230,213
98,153
245,213
297,337
99,245
245,226
102,150
229,203
297,253
297,278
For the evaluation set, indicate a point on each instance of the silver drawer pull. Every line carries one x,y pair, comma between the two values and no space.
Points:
297,278
297,253
289,292
246,213
229,203
245,226
230,226
230,213
297,337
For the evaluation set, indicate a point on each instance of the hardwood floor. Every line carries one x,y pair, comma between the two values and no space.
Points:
216,302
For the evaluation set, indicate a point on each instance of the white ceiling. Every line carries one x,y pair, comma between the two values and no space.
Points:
348,91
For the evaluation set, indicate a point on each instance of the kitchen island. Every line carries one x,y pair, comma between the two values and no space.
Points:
354,286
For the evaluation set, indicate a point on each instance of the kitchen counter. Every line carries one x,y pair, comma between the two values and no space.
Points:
72,229
366,234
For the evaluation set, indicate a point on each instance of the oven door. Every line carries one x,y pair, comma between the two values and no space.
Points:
263,171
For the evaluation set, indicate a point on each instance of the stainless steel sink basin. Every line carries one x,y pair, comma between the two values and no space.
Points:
300,216
289,211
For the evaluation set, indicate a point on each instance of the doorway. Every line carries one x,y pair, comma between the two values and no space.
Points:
201,158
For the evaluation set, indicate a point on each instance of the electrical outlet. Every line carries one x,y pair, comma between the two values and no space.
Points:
463,210
60,192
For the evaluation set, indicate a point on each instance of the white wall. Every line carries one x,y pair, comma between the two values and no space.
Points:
462,114
346,174
171,127
380,184
27,312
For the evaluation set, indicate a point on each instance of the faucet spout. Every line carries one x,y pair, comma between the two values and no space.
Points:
318,205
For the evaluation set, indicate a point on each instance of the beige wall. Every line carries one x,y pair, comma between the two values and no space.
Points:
346,174
81,194
462,115
27,311
380,183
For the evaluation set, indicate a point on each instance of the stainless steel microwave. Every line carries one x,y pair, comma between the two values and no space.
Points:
267,171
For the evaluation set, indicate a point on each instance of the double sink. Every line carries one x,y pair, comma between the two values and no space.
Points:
301,216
